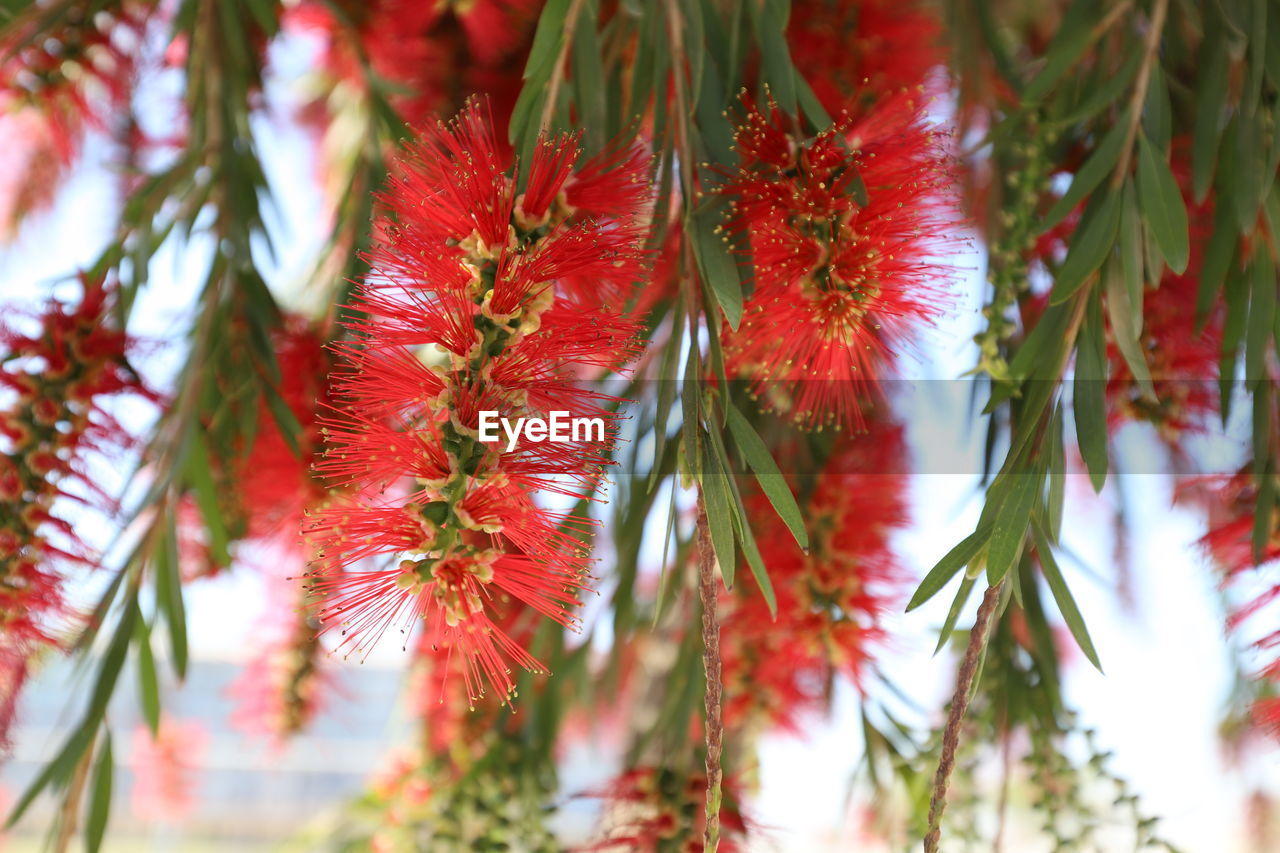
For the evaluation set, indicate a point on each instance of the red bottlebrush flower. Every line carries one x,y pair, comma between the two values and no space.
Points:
831,600
1182,358
853,51
15,666
274,483
1181,355
30,180
654,809
839,286
474,305
164,784
55,382
1232,504
1231,521
54,87
280,690
437,53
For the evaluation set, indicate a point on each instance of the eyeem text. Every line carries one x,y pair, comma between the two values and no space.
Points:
560,428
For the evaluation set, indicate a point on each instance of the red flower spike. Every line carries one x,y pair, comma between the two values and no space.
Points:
855,51
831,600
475,303
839,286
56,381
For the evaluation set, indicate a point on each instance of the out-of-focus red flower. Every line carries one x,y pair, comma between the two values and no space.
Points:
1232,506
164,769
1182,358
283,686
15,666
55,381
434,55
856,51
655,809
839,286
475,303
274,481
831,601
1231,503
266,490
53,88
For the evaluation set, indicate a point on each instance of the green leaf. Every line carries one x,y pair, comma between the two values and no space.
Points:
1264,514
1012,518
168,581
284,418
667,383
1211,96
715,499
100,797
543,53
814,111
1090,392
1090,246
772,482
589,78
1236,296
112,661
56,771
953,615
1062,595
1217,260
716,260
1069,44
1264,451
1123,322
691,412
756,563
1104,93
949,566
1257,56
1248,186
1131,263
148,683
1100,164
1262,310
200,475
1057,494
778,72
1162,206
1157,113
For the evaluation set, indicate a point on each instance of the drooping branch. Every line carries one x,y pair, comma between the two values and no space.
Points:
711,664
955,719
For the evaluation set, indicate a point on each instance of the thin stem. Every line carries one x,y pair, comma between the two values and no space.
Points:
684,149
711,663
557,73
71,805
959,704
1140,90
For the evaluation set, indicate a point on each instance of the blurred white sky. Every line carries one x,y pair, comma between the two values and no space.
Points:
1157,707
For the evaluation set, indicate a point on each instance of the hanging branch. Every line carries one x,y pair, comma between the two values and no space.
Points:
955,717
707,593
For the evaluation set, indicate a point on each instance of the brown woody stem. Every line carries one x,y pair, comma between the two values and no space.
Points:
959,704
711,663
71,805
557,73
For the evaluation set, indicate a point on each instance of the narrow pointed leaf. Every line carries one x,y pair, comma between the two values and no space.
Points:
948,567
1162,206
772,482
1062,595
95,826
